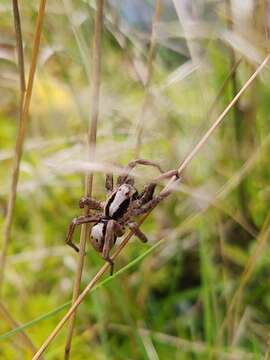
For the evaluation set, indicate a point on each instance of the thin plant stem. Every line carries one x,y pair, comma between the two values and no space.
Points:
92,135
19,44
225,276
222,115
210,112
12,196
147,94
240,132
223,86
181,168
20,55
23,121
267,355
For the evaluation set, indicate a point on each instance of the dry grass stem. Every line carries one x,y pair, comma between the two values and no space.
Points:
23,120
223,86
129,235
267,355
92,134
189,222
19,45
147,95
222,115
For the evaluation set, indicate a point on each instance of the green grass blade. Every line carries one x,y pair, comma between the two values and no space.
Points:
68,303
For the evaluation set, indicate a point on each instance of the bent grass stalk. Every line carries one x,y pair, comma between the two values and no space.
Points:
181,169
147,94
23,121
12,196
20,54
92,135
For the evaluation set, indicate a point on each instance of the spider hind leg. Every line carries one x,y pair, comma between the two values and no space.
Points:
78,221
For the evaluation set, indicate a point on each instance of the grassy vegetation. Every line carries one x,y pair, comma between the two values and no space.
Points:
199,289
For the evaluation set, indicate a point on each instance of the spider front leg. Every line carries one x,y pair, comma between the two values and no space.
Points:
78,221
133,163
91,203
136,230
150,204
126,178
139,210
149,189
147,194
109,183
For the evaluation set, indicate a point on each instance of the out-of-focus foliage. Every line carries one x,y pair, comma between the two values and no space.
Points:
172,304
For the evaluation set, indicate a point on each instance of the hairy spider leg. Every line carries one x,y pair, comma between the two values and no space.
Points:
150,204
109,183
91,203
133,163
139,210
136,230
147,194
124,179
112,231
149,189
166,175
78,221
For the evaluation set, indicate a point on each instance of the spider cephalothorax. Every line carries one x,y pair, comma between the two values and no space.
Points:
115,214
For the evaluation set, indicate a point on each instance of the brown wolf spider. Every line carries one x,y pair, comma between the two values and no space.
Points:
122,204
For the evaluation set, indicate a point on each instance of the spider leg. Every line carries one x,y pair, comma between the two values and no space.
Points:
166,175
108,243
153,203
131,165
78,221
109,183
91,203
147,194
150,204
135,228
125,179
149,189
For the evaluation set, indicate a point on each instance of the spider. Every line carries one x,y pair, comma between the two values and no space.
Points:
115,214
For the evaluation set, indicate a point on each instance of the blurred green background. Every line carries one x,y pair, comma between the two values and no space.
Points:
172,304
